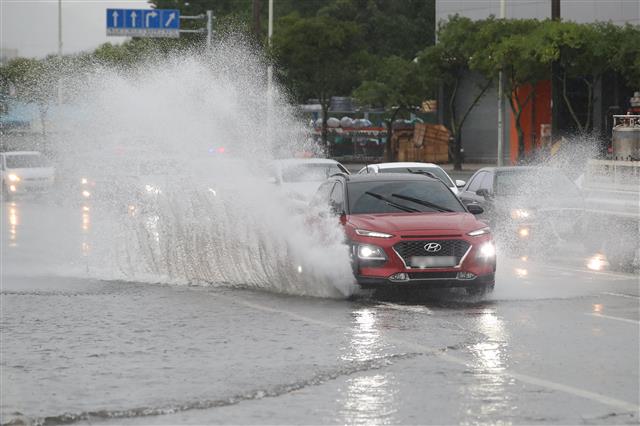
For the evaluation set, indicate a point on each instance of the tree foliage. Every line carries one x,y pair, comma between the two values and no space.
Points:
312,55
446,64
511,47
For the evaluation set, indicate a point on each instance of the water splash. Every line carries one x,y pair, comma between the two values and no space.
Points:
169,161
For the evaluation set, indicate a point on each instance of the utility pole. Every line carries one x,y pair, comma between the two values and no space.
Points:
269,35
209,28
503,8
59,28
555,86
59,49
270,78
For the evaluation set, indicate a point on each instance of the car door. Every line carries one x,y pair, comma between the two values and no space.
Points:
468,195
487,202
336,199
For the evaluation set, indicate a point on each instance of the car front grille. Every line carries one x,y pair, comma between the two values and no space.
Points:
432,275
408,249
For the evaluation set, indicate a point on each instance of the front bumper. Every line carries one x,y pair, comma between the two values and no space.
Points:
472,269
382,282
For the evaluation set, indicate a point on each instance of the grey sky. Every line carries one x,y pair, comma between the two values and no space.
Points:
31,26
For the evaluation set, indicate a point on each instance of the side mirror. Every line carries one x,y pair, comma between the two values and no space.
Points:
475,209
460,183
483,192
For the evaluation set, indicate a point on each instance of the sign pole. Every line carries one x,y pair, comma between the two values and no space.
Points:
501,101
209,28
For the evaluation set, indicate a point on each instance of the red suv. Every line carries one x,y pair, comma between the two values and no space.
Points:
410,229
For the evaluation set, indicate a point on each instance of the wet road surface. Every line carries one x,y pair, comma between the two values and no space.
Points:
555,343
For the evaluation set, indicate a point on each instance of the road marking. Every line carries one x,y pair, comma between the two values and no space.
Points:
630,296
602,399
619,276
614,318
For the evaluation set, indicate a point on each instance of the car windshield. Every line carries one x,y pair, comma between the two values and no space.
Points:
436,171
380,197
309,172
26,161
539,182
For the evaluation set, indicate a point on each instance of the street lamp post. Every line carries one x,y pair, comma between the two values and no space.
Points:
503,8
269,34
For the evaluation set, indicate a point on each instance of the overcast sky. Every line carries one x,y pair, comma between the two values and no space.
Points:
31,26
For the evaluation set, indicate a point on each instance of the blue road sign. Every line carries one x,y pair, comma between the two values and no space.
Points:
143,22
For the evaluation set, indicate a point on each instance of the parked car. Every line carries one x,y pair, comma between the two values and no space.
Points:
409,230
300,177
536,207
25,172
407,167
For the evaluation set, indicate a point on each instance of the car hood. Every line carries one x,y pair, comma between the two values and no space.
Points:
424,223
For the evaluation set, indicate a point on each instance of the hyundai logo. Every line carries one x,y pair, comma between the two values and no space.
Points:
432,247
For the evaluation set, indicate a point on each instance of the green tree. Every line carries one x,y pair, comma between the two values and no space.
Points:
389,28
393,83
446,64
625,54
33,81
583,53
316,58
512,46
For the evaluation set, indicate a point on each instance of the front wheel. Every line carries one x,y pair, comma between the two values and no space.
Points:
480,289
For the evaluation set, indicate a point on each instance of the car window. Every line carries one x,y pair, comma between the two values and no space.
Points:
337,197
542,182
436,171
321,197
474,185
487,182
342,168
361,200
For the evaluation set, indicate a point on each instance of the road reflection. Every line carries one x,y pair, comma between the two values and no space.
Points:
488,364
369,398
13,224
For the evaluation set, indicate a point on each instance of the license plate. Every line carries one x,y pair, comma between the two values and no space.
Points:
432,261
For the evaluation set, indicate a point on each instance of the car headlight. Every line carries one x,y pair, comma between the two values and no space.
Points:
84,181
371,252
481,231
152,189
521,214
14,178
373,234
487,251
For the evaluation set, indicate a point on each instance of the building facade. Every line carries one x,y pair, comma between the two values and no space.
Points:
480,132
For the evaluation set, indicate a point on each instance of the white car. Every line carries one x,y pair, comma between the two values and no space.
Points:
407,167
25,171
301,177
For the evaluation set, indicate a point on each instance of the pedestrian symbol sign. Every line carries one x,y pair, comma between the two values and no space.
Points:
143,22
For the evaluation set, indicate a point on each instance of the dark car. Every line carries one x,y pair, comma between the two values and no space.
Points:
527,207
410,229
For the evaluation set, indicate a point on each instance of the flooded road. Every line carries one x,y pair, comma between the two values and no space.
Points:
555,343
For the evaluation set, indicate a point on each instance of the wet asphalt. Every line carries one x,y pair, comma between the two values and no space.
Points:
556,343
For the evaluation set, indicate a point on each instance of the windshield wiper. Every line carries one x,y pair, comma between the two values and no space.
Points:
391,203
422,203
